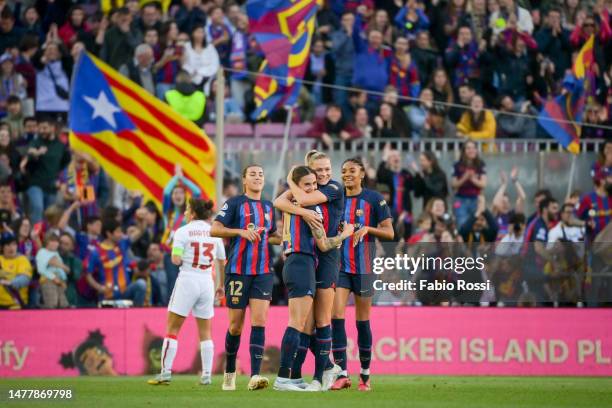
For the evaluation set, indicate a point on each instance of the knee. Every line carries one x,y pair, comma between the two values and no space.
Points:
258,319
140,285
235,328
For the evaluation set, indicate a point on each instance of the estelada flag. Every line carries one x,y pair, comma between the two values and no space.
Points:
136,138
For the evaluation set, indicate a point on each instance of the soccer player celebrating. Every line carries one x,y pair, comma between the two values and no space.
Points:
329,196
195,251
369,213
248,221
300,239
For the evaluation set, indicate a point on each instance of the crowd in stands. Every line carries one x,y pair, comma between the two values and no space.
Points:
70,236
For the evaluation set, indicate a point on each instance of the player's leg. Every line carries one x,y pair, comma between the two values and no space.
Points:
339,339
299,308
325,371
204,311
236,287
305,342
363,305
169,348
260,295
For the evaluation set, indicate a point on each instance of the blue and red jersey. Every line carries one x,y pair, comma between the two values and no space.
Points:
368,208
241,212
597,208
400,184
110,266
333,208
297,235
467,189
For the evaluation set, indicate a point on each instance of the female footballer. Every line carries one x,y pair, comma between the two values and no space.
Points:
194,250
329,196
248,222
371,217
300,241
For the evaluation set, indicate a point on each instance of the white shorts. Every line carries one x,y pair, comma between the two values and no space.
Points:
195,294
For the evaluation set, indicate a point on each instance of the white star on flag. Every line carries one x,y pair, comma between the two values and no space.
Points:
103,108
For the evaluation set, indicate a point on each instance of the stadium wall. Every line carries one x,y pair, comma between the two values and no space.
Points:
429,341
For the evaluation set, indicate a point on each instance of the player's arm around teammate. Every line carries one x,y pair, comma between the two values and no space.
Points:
368,211
248,222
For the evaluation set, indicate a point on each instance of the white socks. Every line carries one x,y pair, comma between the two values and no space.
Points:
207,352
168,353
365,371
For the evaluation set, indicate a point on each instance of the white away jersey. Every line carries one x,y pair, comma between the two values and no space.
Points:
197,248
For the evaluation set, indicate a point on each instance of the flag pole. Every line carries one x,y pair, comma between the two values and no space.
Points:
570,185
281,162
219,134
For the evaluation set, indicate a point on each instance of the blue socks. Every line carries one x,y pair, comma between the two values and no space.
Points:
289,347
256,347
364,342
300,356
232,343
339,342
323,347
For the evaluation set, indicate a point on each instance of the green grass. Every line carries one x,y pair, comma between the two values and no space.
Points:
388,391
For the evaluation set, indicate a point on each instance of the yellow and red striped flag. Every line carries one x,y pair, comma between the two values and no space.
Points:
136,138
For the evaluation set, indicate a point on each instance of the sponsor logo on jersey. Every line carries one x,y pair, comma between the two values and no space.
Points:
224,207
359,212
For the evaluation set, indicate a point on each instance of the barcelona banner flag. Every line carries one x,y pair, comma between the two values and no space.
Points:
134,136
560,115
283,29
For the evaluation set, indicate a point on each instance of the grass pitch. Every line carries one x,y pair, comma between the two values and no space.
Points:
388,391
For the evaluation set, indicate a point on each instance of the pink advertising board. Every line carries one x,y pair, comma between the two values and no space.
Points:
445,341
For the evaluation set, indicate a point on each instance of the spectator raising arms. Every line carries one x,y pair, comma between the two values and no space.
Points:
502,209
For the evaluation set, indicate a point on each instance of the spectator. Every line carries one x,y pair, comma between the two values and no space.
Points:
389,124
150,17
595,206
53,274
333,127
167,66
119,41
400,184
148,228
53,70
165,275
511,243
343,51
419,114
429,178
362,123
512,123
477,123
411,19
597,124
565,230
75,268
569,10
404,75
424,57
320,70
142,273
11,82
513,68
454,15
239,81
538,197
7,147
441,87
373,62
10,34
593,24
46,157
219,35
553,42
28,242
151,38
508,9
439,125
201,60
14,117
468,180
74,28
15,275
31,23
190,15
400,120
380,21
502,209
140,69
111,279
186,99
480,226
462,58
28,47
477,18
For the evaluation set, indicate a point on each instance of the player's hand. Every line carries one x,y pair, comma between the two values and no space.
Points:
220,292
359,234
312,218
348,229
250,235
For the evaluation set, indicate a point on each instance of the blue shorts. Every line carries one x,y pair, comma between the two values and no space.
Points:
299,275
240,288
360,285
327,269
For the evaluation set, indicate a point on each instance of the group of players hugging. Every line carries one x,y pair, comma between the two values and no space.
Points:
328,236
